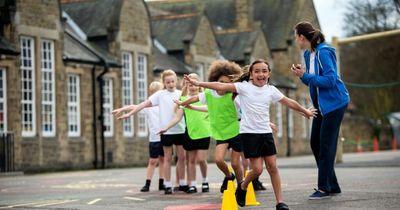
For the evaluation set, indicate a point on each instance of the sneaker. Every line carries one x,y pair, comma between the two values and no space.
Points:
240,196
168,190
282,206
192,189
257,185
161,187
183,188
145,188
225,182
176,189
205,187
318,195
335,191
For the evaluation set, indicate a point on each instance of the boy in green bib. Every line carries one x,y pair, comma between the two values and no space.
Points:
223,119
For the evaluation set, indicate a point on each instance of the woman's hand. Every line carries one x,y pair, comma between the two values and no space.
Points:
298,70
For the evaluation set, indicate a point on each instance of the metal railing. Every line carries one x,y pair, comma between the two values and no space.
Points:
7,154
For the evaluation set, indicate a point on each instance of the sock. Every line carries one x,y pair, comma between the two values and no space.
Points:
193,183
160,181
205,179
148,181
182,182
167,184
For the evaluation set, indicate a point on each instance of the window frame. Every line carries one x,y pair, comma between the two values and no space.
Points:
76,104
127,92
142,121
108,107
3,99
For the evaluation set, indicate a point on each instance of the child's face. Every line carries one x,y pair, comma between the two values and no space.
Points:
260,74
192,88
170,82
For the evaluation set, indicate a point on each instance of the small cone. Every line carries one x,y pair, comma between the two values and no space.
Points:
376,144
229,201
394,144
359,146
231,186
251,196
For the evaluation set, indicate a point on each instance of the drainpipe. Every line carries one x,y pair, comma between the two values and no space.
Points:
101,115
94,126
288,138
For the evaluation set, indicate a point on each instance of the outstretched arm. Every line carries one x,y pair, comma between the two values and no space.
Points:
188,101
197,108
296,106
131,108
228,87
174,121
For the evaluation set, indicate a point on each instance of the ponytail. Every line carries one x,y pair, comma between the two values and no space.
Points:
313,35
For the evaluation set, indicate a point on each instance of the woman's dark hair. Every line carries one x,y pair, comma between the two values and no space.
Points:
246,75
314,35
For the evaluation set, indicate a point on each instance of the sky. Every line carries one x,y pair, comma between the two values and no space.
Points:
330,16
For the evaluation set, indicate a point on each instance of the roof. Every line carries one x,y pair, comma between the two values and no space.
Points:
95,17
172,31
6,48
234,45
164,61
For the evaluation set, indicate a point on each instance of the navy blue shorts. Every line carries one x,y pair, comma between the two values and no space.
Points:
155,149
168,140
257,145
235,143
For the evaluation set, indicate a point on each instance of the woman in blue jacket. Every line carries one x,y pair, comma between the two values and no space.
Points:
329,96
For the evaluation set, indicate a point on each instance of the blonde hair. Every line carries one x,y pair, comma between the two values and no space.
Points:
155,86
185,90
166,73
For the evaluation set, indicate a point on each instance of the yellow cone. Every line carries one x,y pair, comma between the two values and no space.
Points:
231,186
251,195
229,201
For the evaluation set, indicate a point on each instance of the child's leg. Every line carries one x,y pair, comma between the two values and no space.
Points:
237,165
219,155
150,167
202,159
245,163
167,165
180,152
161,169
270,162
256,170
191,167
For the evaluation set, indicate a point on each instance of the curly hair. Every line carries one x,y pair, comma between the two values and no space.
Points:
220,68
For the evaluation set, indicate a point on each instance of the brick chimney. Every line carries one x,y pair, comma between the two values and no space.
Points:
244,14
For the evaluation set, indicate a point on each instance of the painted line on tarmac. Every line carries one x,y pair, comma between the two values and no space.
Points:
135,199
23,204
55,203
206,206
94,201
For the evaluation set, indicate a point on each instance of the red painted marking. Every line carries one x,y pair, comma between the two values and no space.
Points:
194,207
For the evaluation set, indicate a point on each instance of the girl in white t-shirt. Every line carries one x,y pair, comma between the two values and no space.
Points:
256,95
164,99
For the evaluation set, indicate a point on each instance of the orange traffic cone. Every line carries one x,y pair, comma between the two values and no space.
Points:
251,195
376,144
394,144
229,201
359,146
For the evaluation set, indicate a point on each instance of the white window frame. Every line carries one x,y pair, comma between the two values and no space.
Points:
141,85
74,119
127,91
108,107
200,71
290,123
279,120
48,88
28,117
3,99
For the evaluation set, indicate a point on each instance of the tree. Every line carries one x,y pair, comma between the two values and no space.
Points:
369,16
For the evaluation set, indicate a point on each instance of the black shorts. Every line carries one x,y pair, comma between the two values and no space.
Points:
198,144
168,140
235,143
156,149
258,144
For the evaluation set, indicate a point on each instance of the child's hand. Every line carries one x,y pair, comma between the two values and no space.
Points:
273,127
131,108
190,80
162,131
311,112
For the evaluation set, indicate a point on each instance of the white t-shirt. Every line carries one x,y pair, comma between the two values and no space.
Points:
254,105
164,100
312,63
153,122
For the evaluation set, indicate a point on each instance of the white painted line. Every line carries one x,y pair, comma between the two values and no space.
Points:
94,201
55,203
22,204
135,199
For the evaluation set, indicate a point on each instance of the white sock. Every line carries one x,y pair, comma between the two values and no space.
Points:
193,183
205,179
168,184
182,182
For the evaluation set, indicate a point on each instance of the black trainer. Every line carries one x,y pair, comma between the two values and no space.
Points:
240,195
192,189
257,185
145,188
161,185
224,185
282,206
205,187
168,190
183,188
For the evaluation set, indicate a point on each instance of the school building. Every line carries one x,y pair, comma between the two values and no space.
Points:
65,64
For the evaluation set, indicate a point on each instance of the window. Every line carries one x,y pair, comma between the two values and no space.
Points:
28,116
127,90
200,71
107,108
48,95
279,122
305,120
74,109
142,91
290,123
3,101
